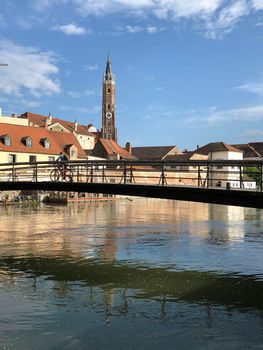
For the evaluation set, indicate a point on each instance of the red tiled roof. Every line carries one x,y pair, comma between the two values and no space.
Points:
40,120
58,140
112,147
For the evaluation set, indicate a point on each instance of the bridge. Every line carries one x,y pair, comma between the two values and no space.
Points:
228,182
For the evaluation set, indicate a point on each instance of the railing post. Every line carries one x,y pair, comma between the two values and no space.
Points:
131,175
241,185
14,176
103,174
162,177
91,173
199,176
207,176
36,170
261,185
124,174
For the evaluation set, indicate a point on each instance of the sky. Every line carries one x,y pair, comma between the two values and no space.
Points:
188,72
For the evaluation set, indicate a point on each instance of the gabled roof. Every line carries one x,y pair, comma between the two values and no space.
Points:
258,147
111,147
40,120
216,147
58,140
187,156
249,151
153,153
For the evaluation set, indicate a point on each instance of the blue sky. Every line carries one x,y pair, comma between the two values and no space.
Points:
187,72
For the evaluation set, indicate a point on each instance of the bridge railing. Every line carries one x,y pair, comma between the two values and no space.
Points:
234,174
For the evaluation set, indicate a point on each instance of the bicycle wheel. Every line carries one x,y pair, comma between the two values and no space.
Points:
68,176
54,175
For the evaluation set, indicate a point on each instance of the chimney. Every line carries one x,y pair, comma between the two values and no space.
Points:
13,115
197,147
48,121
128,147
76,126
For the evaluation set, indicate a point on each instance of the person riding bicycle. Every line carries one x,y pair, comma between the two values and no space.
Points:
62,157
62,166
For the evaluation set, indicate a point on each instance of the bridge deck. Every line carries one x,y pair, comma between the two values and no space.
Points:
199,181
235,197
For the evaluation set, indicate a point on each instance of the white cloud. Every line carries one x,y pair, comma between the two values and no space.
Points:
253,133
133,29
41,5
83,110
29,70
227,18
154,29
257,4
215,17
70,29
215,116
77,94
89,93
91,67
254,88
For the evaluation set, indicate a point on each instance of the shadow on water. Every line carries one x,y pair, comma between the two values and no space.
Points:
146,283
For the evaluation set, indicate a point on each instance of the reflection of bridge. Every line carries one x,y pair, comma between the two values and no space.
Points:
220,182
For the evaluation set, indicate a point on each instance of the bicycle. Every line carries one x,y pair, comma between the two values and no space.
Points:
61,173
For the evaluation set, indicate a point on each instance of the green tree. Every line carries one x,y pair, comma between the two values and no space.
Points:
253,172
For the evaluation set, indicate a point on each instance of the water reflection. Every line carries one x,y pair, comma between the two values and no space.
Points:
142,273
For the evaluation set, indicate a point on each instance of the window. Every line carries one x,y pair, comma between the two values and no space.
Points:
51,159
108,106
219,167
73,153
108,90
27,141
108,136
46,143
32,159
6,140
11,158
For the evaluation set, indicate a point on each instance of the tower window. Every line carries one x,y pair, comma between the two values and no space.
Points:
108,106
108,90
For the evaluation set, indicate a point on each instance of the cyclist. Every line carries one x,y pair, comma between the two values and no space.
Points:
62,158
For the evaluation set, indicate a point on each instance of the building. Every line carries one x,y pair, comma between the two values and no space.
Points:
85,137
220,175
251,151
31,144
12,119
155,153
109,149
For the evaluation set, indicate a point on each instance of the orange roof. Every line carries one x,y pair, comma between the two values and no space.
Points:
112,147
17,133
40,120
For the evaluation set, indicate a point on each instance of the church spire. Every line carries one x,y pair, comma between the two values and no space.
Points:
108,73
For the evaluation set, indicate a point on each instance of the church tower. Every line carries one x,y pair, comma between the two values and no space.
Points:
109,130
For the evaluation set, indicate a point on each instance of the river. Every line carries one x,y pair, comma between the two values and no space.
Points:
131,274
